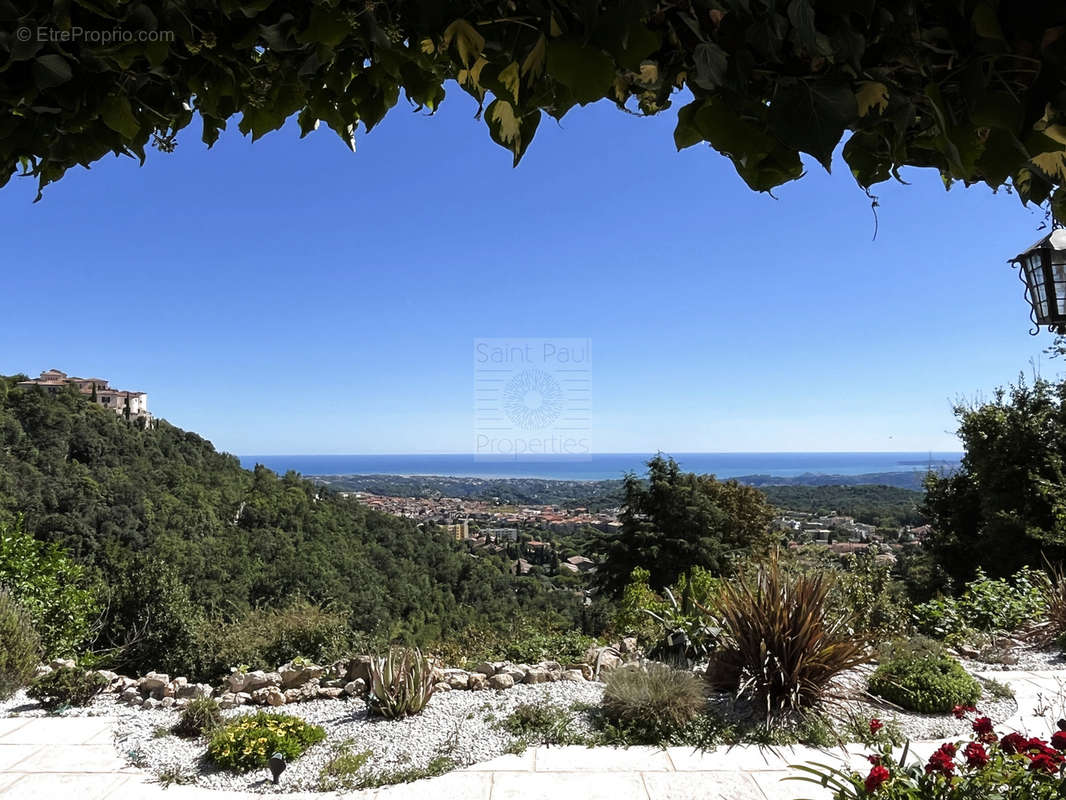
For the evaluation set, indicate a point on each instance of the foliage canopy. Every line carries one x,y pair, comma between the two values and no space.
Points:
972,88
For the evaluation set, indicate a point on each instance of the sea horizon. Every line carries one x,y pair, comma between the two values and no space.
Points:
608,466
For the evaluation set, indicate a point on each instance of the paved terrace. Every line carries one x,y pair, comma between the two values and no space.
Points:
74,757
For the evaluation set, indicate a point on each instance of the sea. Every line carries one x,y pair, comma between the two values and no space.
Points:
607,466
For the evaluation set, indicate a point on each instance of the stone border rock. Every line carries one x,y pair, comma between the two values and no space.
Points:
300,680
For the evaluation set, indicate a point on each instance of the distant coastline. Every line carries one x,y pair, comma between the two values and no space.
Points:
903,469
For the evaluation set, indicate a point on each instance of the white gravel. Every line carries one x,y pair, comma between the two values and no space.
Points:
459,724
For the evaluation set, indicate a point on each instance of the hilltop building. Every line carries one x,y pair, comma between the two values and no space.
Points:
97,389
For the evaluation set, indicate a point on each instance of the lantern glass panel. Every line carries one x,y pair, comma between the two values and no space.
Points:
1034,278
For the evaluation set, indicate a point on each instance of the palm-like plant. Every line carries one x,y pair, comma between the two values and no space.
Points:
401,683
780,643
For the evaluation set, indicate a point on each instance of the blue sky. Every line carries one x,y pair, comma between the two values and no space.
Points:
288,296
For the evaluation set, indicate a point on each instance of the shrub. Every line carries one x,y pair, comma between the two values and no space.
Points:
200,717
21,649
66,686
865,587
1052,628
541,724
929,683
340,772
654,700
985,605
265,638
401,683
248,742
781,644
53,590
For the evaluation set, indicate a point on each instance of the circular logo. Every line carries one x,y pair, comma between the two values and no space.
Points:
533,399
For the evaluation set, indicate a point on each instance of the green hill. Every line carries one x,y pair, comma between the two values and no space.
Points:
111,493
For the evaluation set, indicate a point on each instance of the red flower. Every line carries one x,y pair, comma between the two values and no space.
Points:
876,725
877,776
1058,740
1042,762
1014,743
982,726
961,711
976,756
943,760
875,760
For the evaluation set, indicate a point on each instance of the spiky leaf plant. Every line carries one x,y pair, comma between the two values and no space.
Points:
401,683
781,644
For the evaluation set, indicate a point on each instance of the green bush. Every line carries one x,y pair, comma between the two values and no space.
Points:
928,683
539,723
781,642
653,701
200,717
53,590
66,686
526,640
986,605
265,638
248,742
401,683
20,650
865,586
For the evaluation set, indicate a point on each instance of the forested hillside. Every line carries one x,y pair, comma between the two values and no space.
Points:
109,492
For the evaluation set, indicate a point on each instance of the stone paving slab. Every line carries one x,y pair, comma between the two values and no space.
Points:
701,786
467,785
86,758
567,785
12,754
9,725
575,758
53,786
60,730
508,763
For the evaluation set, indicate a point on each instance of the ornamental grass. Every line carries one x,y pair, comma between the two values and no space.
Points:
781,642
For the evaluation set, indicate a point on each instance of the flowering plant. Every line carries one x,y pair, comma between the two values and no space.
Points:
248,742
987,767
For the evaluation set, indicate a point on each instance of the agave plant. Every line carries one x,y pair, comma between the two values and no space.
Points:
780,643
686,639
1052,626
401,683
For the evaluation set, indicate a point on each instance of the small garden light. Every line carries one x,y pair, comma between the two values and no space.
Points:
1043,271
277,766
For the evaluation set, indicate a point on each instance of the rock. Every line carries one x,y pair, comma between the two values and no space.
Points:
486,668
179,682
150,703
457,678
274,696
129,695
442,687
228,700
337,671
628,645
153,682
575,675
359,668
476,681
330,693
297,675
191,690
585,669
260,680
237,681
551,666
167,702
107,675
501,681
181,702
61,663
603,659
517,674
166,691
42,669
243,698
294,695
536,675
356,688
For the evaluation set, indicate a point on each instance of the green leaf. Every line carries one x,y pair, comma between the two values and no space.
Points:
1002,156
510,130
467,40
710,62
51,70
639,44
867,164
811,116
327,26
586,71
997,110
687,132
759,158
116,113
801,15
985,21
